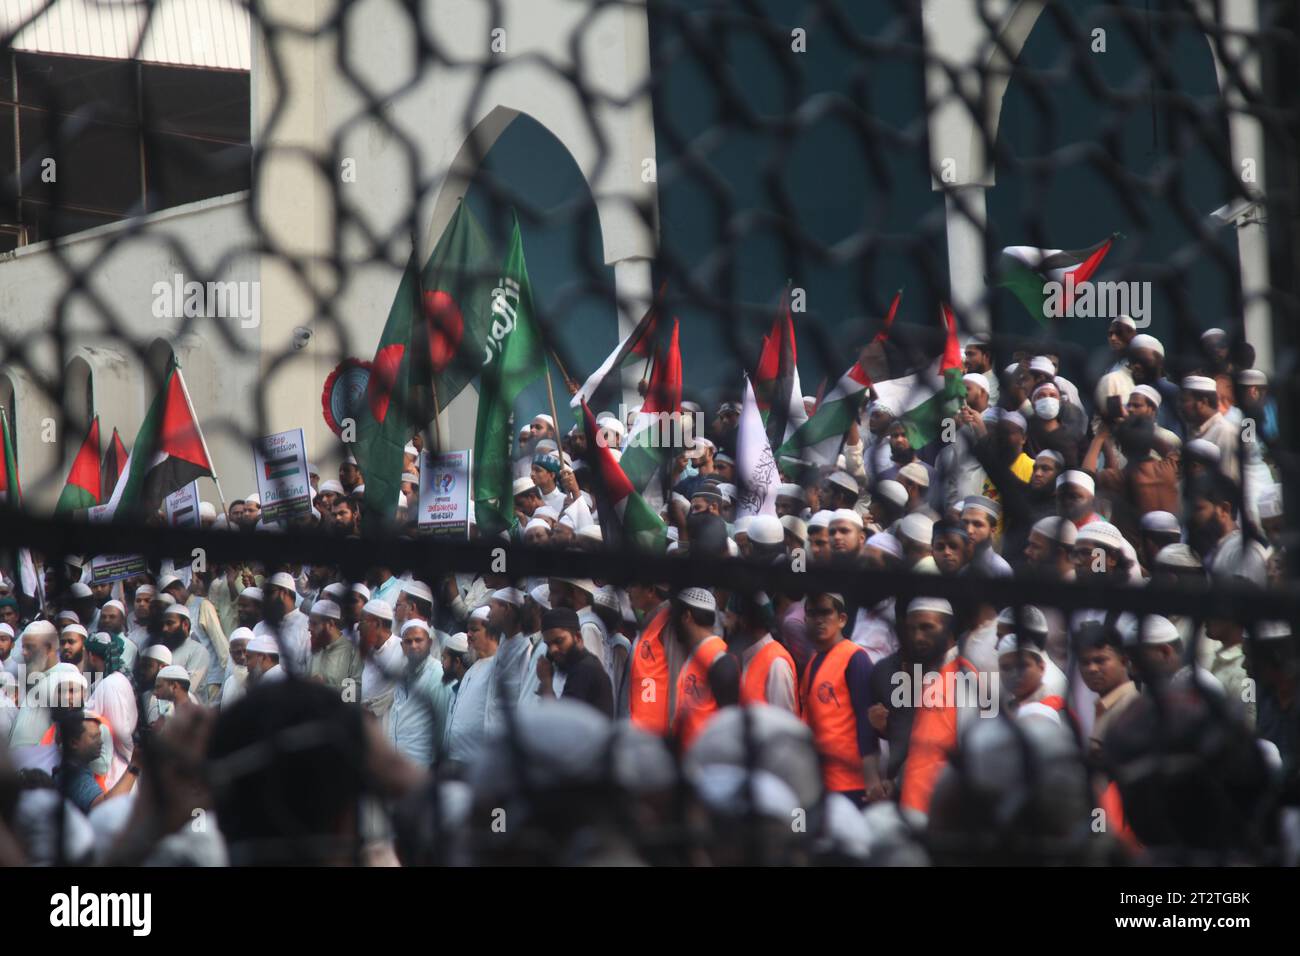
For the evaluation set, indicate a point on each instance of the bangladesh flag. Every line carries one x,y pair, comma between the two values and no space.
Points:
456,297
639,344
1026,270
625,518
11,491
168,452
934,396
645,448
820,438
110,469
82,490
518,360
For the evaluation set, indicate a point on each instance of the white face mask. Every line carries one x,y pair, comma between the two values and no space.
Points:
1047,408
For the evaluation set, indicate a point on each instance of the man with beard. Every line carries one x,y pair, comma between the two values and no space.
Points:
767,671
72,646
151,660
655,659
40,653
505,612
248,607
1212,530
347,518
709,678
834,699
959,472
584,676
1147,366
1049,550
9,661
280,607
1148,480
206,629
263,659
417,722
1075,497
142,606
335,661
186,651
1199,405
382,652
846,537
877,457
978,358
476,710
901,454
455,662
237,676
979,516
173,686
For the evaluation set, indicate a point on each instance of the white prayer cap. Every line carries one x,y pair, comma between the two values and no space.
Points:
168,580
796,526
158,652
416,622
536,524
820,519
766,529
254,499
174,672
1251,376
65,673
313,469
6,630
700,598
1103,533
1079,479
350,459
79,590
607,597
566,519
40,629
509,596
522,486
1010,644
1203,448
1060,530
880,406
981,503
1160,521
207,509
7,679
1177,556
915,472
1126,320
1144,341
1272,630
337,590
330,485
457,643
410,449
938,605
582,584
283,579
546,511
1035,621
1056,456
1041,363
480,613
263,643
847,514
1149,393
361,589
892,492
544,418
788,490
252,593
164,599
68,616
1199,383
417,589
360,489
1011,368
75,629
243,633
1016,419
884,541
180,610
727,490
323,607
842,479
145,589
1210,333
381,609
975,378
917,528
542,596
1154,629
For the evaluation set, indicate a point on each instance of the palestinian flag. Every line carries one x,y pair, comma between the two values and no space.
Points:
776,379
110,469
395,411
11,491
882,360
924,399
456,298
518,360
1026,270
644,448
83,486
639,344
820,438
168,453
625,518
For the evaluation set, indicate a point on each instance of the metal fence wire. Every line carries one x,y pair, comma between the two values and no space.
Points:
1055,536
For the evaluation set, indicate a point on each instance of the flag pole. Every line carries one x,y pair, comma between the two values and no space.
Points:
555,417
199,428
437,426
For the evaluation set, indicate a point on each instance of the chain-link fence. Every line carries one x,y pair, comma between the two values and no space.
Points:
1049,488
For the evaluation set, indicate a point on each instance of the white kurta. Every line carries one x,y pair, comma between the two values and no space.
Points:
114,699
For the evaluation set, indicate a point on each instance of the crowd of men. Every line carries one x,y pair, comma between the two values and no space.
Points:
760,725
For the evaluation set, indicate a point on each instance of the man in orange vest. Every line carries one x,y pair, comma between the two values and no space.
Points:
656,660
710,677
835,696
767,671
930,638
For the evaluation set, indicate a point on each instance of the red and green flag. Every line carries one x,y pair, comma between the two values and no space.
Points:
11,491
168,452
639,344
83,487
113,462
819,439
936,394
776,379
626,520
518,358
1027,270
649,440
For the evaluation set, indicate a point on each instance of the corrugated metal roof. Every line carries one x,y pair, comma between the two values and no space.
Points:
211,33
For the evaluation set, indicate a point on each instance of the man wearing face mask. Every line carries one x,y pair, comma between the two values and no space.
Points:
1055,425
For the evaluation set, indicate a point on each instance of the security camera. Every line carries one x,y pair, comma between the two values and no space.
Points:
301,336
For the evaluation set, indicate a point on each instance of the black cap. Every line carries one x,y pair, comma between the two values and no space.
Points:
564,618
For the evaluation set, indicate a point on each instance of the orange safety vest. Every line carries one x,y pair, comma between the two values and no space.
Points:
650,664
829,712
934,738
48,741
753,686
695,702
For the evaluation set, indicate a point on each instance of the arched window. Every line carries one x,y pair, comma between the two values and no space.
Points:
78,398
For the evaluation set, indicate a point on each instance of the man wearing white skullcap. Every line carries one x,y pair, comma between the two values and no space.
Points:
237,675
1022,666
335,661
206,629
846,537
1158,528
505,616
417,722
477,709
40,654
414,599
1075,494
980,516
381,650
263,656
186,651
280,610
1199,406
819,542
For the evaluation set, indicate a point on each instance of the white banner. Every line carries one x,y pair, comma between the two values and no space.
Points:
182,507
283,484
444,492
